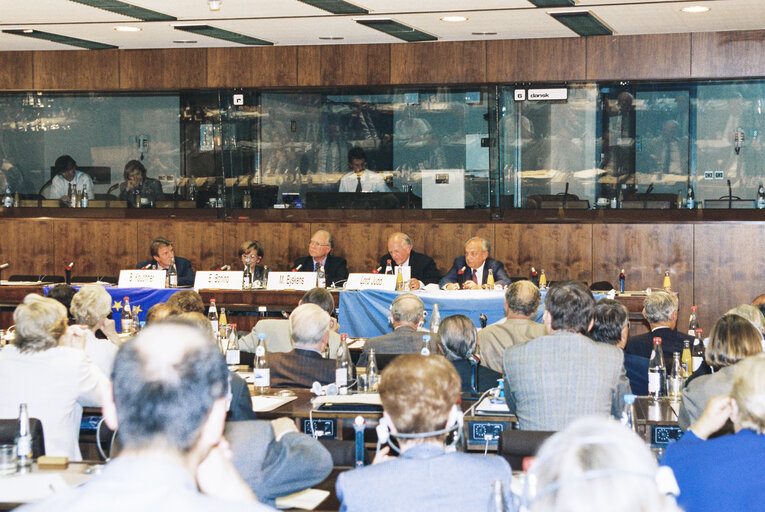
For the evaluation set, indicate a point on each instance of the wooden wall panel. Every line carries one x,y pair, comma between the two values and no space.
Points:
28,245
728,268
727,54
564,251
453,62
359,243
200,242
308,65
163,69
282,242
98,247
645,252
654,56
86,70
16,70
252,67
445,241
553,59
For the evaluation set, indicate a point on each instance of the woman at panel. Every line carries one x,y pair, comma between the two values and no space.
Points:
47,369
733,338
250,255
458,337
137,184
90,308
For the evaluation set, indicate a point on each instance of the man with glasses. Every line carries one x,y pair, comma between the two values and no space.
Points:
319,248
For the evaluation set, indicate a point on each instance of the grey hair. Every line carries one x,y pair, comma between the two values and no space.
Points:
485,245
329,237
407,307
523,298
458,337
659,307
308,324
90,304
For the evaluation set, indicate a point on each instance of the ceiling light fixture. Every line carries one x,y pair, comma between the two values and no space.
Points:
184,41
123,28
454,19
214,5
695,9
331,38
484,33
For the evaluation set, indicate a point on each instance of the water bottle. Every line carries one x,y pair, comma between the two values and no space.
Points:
8,198
343,366
656,370
127,316
172,276
425,345
247,276
212,315
321,278
232,348
24,440
435,319
373,378
628,413
261,372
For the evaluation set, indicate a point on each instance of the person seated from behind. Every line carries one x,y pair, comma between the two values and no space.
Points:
598,463
91,306
660,310
407,315
304,364
136,183
187,301
420,397
163,256
66,174
63,293
458,341
160,311
726,472
612,326
522,300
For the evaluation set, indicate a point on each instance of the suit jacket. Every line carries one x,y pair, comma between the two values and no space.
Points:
276,468
487,378
493,340
241,401
697,394
453,276
334,266
277,331
182,266
671,341
552,380
403,340
424,477
423,267
637,373
300,368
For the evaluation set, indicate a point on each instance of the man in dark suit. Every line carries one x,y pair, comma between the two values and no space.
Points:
400,253
407,314
319,247
471,270
304,364
163,256
660,310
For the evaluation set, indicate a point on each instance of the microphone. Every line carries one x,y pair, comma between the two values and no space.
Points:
147,266
377,270
335,283
4,265
224,267
730,196
297,268
565,196
69,267
649,189
482,318
461,271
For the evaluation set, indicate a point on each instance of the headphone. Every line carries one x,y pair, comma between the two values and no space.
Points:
454,425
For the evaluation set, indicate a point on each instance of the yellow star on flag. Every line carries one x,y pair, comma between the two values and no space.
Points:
117,305
137,309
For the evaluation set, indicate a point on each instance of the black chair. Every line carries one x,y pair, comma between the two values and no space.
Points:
515,445
94,279
384,359
37,277
9,428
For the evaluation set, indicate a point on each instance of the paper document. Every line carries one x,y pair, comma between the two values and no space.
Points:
491,405
303,500
359,398
266,403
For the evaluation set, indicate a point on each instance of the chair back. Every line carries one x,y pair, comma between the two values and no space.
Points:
9,428
515,445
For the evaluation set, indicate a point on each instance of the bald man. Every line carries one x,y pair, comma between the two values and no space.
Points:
424,270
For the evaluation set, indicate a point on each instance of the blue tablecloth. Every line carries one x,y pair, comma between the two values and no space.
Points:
144,298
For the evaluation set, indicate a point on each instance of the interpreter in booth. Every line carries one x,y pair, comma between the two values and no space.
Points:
361,179
471,271
319,247
66,175
163,256
137,184
400,254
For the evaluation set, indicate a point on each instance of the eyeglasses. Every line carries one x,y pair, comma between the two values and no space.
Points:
316,244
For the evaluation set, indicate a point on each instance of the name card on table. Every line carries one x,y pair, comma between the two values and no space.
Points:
219,279
142,279
291,281
371,282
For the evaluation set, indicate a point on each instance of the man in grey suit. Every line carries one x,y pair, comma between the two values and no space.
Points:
554,379
407,314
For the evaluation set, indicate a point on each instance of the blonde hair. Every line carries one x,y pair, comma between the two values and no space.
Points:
419,391
40,322
733,338
751,313
90,304
749,392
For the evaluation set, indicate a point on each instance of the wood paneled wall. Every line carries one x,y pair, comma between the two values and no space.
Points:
712,264
655,56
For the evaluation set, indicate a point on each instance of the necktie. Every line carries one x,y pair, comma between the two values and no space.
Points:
315,266
475,275
358,184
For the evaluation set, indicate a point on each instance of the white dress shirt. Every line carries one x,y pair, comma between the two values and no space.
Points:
370,182
55,384
478,273
59,186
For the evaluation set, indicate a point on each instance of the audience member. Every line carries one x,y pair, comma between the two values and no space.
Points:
458,341
733,338
136,183
66,175
63,293
400,254
319,248
521,303
304,364
420,397
47,369
725,473
359,178
660,310
169,402
161,311
751,313
188,301
552,380
90,307
597,465
163,256
612,326
407,314
471,270
759,303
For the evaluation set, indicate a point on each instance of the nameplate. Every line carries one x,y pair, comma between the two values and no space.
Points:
142,279
556,94
222,280
291,281
371,282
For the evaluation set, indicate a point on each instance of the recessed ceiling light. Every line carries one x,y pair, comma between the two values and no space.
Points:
214,5
484,33
184,41
127,29
331,38
28,31
695,9
454,19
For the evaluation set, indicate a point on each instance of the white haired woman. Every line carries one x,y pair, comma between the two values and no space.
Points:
90,307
